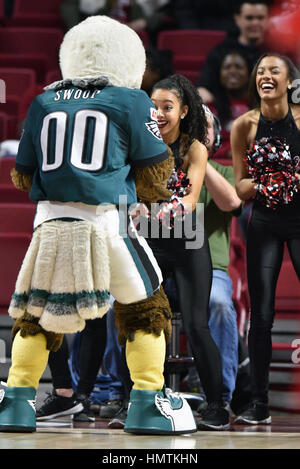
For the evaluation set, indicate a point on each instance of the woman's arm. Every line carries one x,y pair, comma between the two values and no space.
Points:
196,160
239,146
222,192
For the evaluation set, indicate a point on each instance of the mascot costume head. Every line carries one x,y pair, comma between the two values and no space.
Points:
99,54
101,46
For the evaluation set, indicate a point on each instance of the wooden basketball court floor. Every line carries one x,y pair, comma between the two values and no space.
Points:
63,434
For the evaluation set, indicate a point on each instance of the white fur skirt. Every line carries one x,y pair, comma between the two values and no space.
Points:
64,278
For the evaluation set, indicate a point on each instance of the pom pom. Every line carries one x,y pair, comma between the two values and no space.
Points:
179,185
170,210
178,182
273,169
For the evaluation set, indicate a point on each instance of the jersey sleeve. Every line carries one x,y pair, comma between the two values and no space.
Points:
146,144
26,161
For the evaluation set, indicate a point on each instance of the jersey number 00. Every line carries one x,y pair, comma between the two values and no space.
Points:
88,140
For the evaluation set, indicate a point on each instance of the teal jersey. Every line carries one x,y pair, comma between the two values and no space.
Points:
81,145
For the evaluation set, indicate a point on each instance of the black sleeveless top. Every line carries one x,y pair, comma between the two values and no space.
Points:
175,147
286,130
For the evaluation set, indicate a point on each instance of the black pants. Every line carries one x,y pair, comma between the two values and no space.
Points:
268,230
92,347
192,270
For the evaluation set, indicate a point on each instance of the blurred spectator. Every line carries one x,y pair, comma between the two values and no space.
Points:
158,16
126,11
251,18
147,15
231,95
158,66
204,14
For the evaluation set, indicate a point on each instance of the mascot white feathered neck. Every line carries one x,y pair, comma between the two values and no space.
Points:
101,46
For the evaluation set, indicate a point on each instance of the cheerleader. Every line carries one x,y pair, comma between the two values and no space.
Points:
265,146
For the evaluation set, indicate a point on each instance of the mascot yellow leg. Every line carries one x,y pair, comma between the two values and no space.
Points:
29,360
30,351
145,357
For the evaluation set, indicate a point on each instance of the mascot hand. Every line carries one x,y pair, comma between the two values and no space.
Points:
21,181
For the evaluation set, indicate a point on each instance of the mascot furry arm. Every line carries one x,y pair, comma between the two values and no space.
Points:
151,181
21,181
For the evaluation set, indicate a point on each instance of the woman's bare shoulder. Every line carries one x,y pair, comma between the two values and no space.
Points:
197,153
197,145
245,121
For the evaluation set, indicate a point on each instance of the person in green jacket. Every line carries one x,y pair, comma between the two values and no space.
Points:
221,203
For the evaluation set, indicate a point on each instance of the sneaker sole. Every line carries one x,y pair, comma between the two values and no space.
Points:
73,410
83,419
16,429
116,424
241,420
150,431
203,426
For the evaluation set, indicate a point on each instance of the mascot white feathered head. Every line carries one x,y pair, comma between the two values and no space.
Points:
101,46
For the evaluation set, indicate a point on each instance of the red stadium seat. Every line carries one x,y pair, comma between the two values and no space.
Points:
38,13
192,75
189,46
8,128
8,192
11,106
16,218
36,62
37,42
13,247
6,165
3,126
52,75
17,80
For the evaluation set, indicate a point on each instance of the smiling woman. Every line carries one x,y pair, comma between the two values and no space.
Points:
271,71
270,137
182,122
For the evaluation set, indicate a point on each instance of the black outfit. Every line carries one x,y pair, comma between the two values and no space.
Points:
192,269
210,71
268,230
92,347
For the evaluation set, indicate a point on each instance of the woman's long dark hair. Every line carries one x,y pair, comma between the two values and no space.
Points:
194,125
293,74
